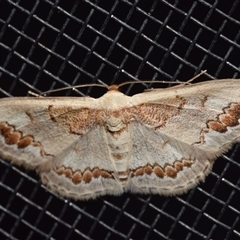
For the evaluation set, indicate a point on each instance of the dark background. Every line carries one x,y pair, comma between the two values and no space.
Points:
51,44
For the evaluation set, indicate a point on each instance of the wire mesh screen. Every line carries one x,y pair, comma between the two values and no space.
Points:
52,44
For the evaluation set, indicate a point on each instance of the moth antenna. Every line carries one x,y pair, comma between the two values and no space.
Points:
116,87
74,87
191,79
162,81
34,94
149,81
197,76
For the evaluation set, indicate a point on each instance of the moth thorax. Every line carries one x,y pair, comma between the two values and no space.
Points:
114,124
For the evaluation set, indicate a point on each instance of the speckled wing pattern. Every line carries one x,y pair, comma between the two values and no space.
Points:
162,141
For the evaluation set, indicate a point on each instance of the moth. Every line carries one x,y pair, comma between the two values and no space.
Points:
162,141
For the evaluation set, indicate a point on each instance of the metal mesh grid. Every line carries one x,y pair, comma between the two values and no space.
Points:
51,44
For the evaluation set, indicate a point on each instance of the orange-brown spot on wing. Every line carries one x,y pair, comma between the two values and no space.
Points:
105,174
24,142
234,111
217,126
232,116
158,171
178,166
170,171
229,120
96,172
5,129
60,170
187,163
8,133
148,169
77,177
12,138
68,173
87,176
139,171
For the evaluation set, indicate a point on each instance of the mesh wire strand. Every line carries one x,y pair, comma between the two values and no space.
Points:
51,44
